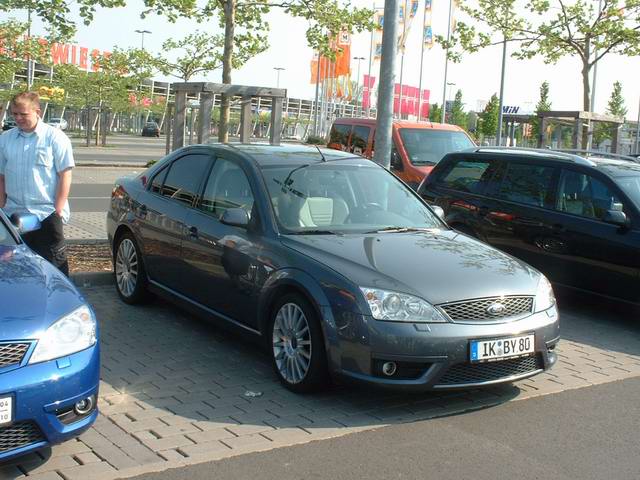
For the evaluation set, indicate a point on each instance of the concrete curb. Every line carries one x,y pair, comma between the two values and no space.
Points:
112,164
86,241
92,279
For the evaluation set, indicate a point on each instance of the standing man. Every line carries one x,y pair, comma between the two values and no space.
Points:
35,176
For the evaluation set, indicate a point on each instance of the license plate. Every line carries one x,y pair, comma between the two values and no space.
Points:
6,410
500,348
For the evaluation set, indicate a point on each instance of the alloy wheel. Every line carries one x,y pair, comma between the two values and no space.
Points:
291,343
126,267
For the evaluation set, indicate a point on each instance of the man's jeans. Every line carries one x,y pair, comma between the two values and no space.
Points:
48,242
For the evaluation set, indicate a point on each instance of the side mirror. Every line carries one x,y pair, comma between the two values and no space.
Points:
25,222
616,217
396,161
236,217
438,211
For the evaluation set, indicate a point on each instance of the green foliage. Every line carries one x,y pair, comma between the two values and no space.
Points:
551,29
488,124
543,105
458,116
315,140
615,108
435,112
16,47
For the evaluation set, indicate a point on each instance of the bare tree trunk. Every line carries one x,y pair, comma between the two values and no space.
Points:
227,57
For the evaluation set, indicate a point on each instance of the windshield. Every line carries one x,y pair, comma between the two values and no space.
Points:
6,239
338,198
426,146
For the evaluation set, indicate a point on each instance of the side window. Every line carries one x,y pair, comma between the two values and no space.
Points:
581,194
227,187
359,139
185,177
464,175
529,184
340,134
158,180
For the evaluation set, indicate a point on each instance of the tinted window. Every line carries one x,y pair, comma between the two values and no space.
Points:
158,180
339,134
581,194
359,139
184,178
426,146
227,187
464,175
529,184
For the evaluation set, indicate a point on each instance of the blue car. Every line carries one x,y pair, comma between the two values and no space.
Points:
49,353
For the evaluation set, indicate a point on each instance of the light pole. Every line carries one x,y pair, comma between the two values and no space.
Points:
444,107
359,59
446,61
142,32
278,70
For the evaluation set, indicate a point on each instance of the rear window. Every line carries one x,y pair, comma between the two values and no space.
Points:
464,175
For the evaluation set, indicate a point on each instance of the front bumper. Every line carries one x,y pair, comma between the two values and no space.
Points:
436,356
39,393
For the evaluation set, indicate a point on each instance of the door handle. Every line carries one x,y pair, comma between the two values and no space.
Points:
193,232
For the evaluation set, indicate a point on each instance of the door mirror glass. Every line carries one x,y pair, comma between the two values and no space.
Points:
236,217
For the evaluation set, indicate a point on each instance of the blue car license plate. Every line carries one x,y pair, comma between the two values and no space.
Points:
501,348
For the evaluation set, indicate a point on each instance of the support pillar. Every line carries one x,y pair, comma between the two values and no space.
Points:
179,120
276,121
246,126
204,119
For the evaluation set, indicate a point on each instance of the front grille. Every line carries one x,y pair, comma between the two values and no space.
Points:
19,435
479,309
12,353
464,373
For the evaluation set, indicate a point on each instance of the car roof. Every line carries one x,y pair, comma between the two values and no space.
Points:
266,154
399,124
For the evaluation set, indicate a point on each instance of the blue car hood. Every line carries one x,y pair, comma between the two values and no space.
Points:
440,266
33,294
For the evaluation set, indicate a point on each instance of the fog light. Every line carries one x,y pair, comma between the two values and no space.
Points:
84,406
389,368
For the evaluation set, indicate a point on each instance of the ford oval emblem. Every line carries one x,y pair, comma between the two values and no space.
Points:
496,309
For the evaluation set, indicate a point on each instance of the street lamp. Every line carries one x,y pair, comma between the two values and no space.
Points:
142,32
359,59
278,70
444,107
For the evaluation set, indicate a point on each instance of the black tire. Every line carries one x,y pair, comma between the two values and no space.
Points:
290,356
128,270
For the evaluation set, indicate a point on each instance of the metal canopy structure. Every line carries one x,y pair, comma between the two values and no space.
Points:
578,118
206,91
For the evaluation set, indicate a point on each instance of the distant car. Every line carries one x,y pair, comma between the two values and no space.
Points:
336,264
151,129
575,219
8,124
60,123
49,353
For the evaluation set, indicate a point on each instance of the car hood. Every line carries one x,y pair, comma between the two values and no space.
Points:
33,294
439,266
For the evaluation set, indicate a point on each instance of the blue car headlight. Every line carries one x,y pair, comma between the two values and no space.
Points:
70,334
400,307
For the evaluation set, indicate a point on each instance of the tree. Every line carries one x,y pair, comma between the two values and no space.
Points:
202,53
543,105
435,112
489,117
15,47
458,116
552,29
615,108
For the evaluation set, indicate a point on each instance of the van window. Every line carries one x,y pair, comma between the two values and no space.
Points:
528,184
465,175
426,146
359,139
340,134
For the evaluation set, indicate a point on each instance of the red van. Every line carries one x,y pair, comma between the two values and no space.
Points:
416,148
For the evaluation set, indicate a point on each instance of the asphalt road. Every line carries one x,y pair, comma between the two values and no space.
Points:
85,197
589,433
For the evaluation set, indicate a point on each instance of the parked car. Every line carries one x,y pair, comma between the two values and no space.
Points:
416,148
151,129
577,220
60,123
49,354
337,265
8,124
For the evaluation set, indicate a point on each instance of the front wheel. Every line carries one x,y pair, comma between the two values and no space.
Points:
129,271
297,347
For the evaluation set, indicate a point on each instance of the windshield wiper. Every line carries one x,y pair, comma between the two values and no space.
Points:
401,229
316,232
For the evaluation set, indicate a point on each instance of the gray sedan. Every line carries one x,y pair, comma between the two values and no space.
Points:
339,267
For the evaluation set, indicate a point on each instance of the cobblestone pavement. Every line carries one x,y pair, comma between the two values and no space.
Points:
176,390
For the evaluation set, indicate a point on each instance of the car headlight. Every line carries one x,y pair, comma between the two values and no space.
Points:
544,296
400,307
72,333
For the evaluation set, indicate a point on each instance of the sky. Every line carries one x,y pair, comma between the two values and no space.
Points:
477,75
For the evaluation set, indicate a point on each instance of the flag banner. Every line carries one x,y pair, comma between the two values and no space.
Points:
427,30
367,91
378,51
401,14
414,8
410,104
339,67
428,5
428,36
380,21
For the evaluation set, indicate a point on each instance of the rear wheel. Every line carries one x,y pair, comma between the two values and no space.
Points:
129,271
297,346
